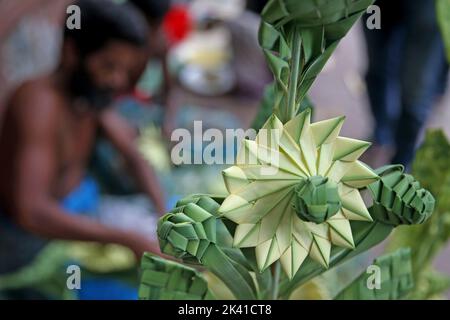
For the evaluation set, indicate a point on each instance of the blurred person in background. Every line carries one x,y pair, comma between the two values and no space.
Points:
407,73
50,125
155,12
145,104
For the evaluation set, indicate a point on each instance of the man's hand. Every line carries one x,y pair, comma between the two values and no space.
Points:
139,244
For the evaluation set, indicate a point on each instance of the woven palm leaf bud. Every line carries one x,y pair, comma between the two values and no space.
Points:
317,199
168,280
188,233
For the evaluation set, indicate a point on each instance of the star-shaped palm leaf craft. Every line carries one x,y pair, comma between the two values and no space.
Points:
295,189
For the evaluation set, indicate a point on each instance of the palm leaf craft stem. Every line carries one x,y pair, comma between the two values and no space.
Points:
294,208
298,38
443,15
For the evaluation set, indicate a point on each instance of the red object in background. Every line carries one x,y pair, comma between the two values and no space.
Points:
141,96
136,94
177,24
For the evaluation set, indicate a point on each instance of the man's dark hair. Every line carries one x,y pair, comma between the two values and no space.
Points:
103,21
154,10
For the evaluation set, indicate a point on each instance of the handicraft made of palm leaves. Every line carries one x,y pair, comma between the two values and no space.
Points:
294,199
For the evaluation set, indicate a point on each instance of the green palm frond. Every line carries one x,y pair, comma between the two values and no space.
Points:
395,276
298,38
429,238
443,14
293,217
399,198
167,280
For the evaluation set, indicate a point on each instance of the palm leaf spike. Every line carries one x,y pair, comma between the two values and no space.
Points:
266,207
189,232
298,38
167,280
399,198
443,15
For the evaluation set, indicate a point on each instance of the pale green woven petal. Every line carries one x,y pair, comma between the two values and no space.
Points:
285,213
327,131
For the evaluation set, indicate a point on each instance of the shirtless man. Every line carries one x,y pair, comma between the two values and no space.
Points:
50,125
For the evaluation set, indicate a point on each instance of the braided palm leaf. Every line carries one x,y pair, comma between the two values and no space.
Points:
298,37
399,198
167,280
443,14
395,279
190,232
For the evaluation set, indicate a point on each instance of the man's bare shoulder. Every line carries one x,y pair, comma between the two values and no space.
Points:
35,103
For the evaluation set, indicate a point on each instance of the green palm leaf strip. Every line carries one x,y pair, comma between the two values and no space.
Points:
167,280
395,279
45,274
443,14
399,198
298,38
189,232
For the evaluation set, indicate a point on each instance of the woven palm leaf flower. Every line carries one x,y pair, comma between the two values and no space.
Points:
294,190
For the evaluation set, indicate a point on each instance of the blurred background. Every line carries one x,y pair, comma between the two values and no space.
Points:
206,65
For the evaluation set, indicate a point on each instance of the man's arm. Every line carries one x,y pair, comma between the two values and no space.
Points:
121,135
34,207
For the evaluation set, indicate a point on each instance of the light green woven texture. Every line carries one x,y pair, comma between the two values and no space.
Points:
399,198
298,38
395,275
167,280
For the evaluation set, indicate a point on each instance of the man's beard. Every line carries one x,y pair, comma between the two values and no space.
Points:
82,86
